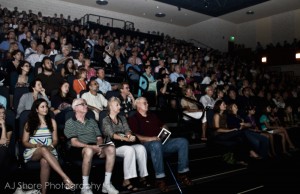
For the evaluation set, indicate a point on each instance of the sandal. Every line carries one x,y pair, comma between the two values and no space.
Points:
129,187
185,180
144,183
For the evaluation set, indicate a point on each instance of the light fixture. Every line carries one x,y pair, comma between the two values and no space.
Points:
264,59
102,2
297,56
250,12
160,14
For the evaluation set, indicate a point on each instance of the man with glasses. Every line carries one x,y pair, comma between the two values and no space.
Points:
126,98
84,138
147,126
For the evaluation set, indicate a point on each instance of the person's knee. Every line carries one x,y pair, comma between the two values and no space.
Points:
110,151
140,149
44,163
87,153
129,152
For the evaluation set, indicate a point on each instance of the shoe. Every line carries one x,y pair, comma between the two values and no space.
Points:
19,191
129,187
69,185
185,180
162,186
32,192
86,191
243,163
144,183
109,188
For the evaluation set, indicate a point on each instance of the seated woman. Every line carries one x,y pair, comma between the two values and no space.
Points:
80,83
259,144
61,102
190,107
116,129
5,135
267,128
231,135
22,77
40,139
36,92
250,123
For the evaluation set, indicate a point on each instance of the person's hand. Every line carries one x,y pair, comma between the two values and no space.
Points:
131,138
130,95
38,145
2,122
3,141
43,91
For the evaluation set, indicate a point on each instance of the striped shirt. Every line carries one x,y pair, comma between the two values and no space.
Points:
86,132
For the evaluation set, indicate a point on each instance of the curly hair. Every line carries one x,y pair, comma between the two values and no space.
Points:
33,121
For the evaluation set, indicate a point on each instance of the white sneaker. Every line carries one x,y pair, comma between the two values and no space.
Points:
19,191
86,191
32,192
109,188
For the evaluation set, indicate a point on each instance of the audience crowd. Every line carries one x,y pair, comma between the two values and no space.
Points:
54,67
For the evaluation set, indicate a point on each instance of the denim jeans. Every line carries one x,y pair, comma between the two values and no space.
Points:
259,143
173,145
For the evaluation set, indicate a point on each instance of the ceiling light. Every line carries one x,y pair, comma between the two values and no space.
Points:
250,12
160,14
297,56
264,59
102,2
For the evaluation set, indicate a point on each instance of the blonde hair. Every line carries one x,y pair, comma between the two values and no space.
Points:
111,100
138,100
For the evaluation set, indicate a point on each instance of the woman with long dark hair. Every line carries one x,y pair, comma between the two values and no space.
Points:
40,139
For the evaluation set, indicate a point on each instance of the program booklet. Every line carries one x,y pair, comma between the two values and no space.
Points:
164,135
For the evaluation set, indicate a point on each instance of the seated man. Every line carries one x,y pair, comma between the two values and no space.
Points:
96,102
147,126
84,137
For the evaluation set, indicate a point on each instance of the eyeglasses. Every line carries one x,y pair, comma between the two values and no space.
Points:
82,104
26,66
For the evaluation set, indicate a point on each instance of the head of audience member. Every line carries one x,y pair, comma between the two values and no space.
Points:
79,106
246,91
65,49
82,73
232,109
24,68
148,69
250,110
39,108
181,82
232,94
40,49
177,68
64,89
86,63
113,105
188,91
33,45
124,89
165,78
220,106
17,55
161,63
69,66
47,65
141,105
93,86
209,90
36,86
101,73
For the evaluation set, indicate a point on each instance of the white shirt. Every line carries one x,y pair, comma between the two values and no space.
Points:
97,101
207,101
104,86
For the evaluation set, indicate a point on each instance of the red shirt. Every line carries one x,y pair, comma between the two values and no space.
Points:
146,126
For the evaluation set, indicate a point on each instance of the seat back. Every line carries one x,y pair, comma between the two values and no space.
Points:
18,92
4,91
109,94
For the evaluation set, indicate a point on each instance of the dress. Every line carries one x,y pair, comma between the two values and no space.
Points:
43,136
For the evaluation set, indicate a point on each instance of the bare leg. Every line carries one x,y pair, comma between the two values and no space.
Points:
204,126
287,137
87,155
44,175
110,153
283,141
44,153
